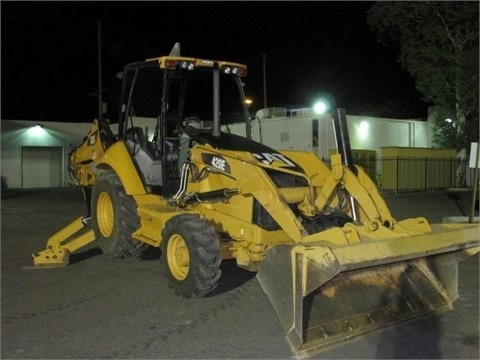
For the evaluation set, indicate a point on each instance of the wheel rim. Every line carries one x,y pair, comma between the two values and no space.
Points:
178,257
105,214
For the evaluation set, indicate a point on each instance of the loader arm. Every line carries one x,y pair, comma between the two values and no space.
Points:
361,188
366,204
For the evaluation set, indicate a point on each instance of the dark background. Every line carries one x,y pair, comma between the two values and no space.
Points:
312,49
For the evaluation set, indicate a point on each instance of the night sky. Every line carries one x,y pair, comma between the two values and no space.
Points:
312,49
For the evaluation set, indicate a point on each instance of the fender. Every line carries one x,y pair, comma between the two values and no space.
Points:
118,158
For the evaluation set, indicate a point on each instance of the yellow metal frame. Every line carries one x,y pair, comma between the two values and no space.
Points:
59,246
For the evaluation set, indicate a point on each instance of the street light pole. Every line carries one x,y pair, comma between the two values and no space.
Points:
264,83
100,100
248,129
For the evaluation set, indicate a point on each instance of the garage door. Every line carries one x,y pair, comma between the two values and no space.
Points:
41,166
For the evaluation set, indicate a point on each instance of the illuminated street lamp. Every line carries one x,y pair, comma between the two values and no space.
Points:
36,131
248,101
320,107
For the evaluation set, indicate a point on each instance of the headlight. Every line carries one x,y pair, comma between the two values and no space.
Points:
230,70
186,65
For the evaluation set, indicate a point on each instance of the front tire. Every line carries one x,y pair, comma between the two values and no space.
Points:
190,253
115,218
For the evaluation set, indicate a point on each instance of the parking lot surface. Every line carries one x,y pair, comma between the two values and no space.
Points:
102,308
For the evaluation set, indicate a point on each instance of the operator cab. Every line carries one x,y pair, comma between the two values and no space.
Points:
164,93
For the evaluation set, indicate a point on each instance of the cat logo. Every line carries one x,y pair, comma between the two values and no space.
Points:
217,161
268,158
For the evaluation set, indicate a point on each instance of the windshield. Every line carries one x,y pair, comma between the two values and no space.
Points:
188,93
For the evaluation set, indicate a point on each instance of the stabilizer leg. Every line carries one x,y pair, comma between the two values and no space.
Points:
58,250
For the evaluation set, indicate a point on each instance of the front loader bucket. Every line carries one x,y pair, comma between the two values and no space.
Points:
326,295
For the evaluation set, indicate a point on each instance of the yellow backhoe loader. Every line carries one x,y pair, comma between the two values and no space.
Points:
328,253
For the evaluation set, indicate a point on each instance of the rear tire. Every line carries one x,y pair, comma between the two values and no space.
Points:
190,255
115,218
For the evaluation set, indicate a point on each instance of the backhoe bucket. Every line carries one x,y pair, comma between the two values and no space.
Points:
326,295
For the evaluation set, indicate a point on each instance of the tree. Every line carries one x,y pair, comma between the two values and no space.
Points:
438,43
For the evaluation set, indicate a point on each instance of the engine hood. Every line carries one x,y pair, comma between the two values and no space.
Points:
226,141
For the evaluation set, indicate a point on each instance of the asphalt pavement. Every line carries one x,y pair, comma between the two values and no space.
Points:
102,308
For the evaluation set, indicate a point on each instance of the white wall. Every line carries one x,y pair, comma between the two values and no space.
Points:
16,133
366,133
281,132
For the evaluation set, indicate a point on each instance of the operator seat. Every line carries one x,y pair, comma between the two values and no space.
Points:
150,167
136,135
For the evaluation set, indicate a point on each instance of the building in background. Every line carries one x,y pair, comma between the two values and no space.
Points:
35,154
303,129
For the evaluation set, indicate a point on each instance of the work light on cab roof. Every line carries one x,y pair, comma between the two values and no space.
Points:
174,62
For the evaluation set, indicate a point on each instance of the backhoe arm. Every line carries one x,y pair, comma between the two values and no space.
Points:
81,166
82,159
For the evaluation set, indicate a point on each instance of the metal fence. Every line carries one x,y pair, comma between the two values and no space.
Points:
417,174
403,174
